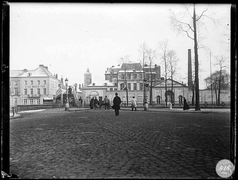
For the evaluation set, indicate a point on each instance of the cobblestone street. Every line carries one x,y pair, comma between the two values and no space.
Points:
135,144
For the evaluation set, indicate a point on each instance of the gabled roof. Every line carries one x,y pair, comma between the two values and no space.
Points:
131,66
16,73
41,71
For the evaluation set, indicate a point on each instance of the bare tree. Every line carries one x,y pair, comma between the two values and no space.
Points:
125,60
190,28
151,56
163,45
142,50
220,63
172,67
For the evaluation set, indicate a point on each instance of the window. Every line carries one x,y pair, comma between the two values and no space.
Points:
38,82
141,86
25,91
31,82
122,76
44,82
140,76
135,86
16,83
38,91
129,86
38,101
121,86
25,101
25,82
135,76
115,84
31,91
111,89
16,91
44,90
129,76
31,101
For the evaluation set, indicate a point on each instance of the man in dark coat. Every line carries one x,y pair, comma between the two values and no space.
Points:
91,103
116,104
185,105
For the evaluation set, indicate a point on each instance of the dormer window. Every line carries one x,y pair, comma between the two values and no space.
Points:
105,84
29,74
93,84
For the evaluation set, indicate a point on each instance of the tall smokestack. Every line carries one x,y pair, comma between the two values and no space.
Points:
190,79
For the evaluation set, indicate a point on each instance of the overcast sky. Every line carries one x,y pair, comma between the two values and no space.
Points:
69,38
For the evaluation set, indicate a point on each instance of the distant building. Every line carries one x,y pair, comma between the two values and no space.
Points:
30,87
126,75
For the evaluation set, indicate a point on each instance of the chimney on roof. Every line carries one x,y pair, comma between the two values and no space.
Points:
41,65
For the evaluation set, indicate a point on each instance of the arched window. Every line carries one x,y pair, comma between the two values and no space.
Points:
180,99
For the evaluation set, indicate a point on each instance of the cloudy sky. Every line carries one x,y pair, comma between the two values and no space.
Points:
71,37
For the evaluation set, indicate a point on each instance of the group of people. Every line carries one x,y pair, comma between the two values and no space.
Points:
95,103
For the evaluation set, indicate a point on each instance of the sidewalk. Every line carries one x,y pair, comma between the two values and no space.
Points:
192,110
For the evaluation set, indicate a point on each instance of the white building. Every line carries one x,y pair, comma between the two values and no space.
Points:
31,87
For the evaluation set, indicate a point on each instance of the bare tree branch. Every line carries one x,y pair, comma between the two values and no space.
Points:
181,22
202,14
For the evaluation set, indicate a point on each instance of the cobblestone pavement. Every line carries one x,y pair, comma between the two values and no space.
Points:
135,144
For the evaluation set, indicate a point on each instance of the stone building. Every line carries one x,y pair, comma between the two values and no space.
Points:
31,87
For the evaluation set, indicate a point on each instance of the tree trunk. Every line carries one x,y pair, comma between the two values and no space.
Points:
197,105
219,90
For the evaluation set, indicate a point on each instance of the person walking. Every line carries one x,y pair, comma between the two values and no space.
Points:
185,104
91,103
116,104
80,101
133,103
106,102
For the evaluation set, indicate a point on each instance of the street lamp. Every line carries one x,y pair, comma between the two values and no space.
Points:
67,102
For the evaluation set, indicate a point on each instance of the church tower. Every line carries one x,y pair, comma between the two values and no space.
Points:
87,78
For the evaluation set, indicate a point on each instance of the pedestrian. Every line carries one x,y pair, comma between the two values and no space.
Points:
116,104
80,101
133,103
185,104
96,103
106,102
91,103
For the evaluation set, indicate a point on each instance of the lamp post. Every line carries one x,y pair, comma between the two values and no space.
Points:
67,102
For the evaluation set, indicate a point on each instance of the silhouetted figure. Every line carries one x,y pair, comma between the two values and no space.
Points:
185,104
106,103
116,104
96,103
91,103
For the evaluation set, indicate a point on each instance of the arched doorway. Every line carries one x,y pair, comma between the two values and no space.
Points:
169,95
158,99
94,94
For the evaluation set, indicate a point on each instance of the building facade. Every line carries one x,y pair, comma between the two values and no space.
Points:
31,87
127,79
